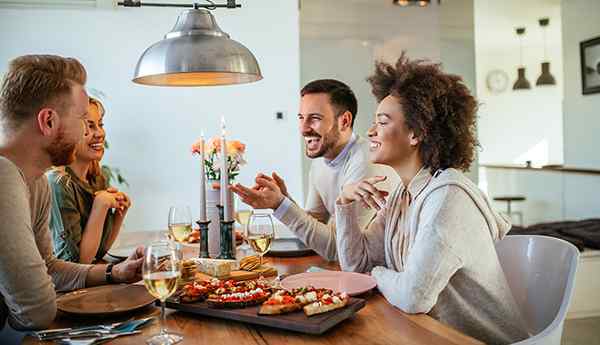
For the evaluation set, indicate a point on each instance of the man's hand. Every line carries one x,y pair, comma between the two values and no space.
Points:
280,183
365,192
130,270
265,194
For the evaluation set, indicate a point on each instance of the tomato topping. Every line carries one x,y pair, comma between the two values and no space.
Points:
288,300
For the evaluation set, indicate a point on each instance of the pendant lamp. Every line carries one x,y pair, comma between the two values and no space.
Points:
522,83
196,53
546,78
404,3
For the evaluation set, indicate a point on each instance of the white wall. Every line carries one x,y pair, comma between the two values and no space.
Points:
341,39
543,190
552,196
457,49
519,125
581,113
151,129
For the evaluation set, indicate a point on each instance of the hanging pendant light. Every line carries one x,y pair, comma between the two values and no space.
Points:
196,53
522,83
546,78
405,3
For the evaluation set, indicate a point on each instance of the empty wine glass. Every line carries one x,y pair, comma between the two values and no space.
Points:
160,271
260,232
180,223
242,217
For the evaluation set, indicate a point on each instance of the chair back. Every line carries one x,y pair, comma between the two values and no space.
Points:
540,271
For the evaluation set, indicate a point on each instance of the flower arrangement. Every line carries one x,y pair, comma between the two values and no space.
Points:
212,158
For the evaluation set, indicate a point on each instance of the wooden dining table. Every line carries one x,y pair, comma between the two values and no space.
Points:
377,323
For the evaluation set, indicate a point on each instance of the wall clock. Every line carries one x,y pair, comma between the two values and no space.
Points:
496,81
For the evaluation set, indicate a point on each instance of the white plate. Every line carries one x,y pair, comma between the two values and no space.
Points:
349,282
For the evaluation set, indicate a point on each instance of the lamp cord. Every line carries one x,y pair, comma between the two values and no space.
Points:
213,7
521,50
545,53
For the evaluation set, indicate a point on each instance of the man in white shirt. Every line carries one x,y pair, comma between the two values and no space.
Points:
326,118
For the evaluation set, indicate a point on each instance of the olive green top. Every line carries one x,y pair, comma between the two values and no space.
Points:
72,201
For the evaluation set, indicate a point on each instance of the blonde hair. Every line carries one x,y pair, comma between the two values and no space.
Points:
95,171
37,81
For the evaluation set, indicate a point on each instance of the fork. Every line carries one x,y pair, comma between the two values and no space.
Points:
101,330
94,341
63,332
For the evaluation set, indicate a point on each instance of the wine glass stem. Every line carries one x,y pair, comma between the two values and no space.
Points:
162,318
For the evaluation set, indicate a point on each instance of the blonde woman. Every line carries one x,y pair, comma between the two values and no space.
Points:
87,214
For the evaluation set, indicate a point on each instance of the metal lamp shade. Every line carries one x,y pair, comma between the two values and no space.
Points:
546,78
522,83
196,53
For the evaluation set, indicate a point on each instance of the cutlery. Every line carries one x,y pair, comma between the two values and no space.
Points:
96,340
64,331
93,331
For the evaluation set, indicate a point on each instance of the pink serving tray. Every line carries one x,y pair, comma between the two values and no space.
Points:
349,282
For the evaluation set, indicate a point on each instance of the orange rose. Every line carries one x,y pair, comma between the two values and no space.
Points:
234,147
214,145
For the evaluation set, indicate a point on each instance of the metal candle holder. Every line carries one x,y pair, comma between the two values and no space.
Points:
203,238
226,237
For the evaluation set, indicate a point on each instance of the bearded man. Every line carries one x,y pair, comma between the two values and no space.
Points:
339,156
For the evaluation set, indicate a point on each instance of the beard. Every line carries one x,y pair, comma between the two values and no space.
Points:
329,141
61,152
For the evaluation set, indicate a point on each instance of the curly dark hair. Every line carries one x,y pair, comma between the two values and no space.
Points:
437,106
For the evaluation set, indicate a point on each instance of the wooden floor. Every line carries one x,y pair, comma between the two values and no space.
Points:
582,332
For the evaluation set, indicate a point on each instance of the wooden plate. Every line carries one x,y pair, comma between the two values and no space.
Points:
104,300
122,253
296,321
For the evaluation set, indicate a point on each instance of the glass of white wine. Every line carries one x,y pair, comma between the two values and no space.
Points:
180,223
160,271
260,232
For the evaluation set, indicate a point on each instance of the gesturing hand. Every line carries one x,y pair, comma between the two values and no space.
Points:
365,192
281,184
265,194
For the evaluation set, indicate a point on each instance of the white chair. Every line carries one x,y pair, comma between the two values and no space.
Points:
540,271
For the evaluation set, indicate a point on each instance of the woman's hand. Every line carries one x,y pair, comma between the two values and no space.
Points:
365,192
106,199
124,203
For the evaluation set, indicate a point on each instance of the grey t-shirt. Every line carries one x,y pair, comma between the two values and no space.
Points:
29,272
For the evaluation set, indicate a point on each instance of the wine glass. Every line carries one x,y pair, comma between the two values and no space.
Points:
180,223
160,271
242,217
260,232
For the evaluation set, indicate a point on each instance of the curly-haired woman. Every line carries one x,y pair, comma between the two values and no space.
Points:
431,246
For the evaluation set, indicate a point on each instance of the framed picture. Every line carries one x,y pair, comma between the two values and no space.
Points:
590,65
